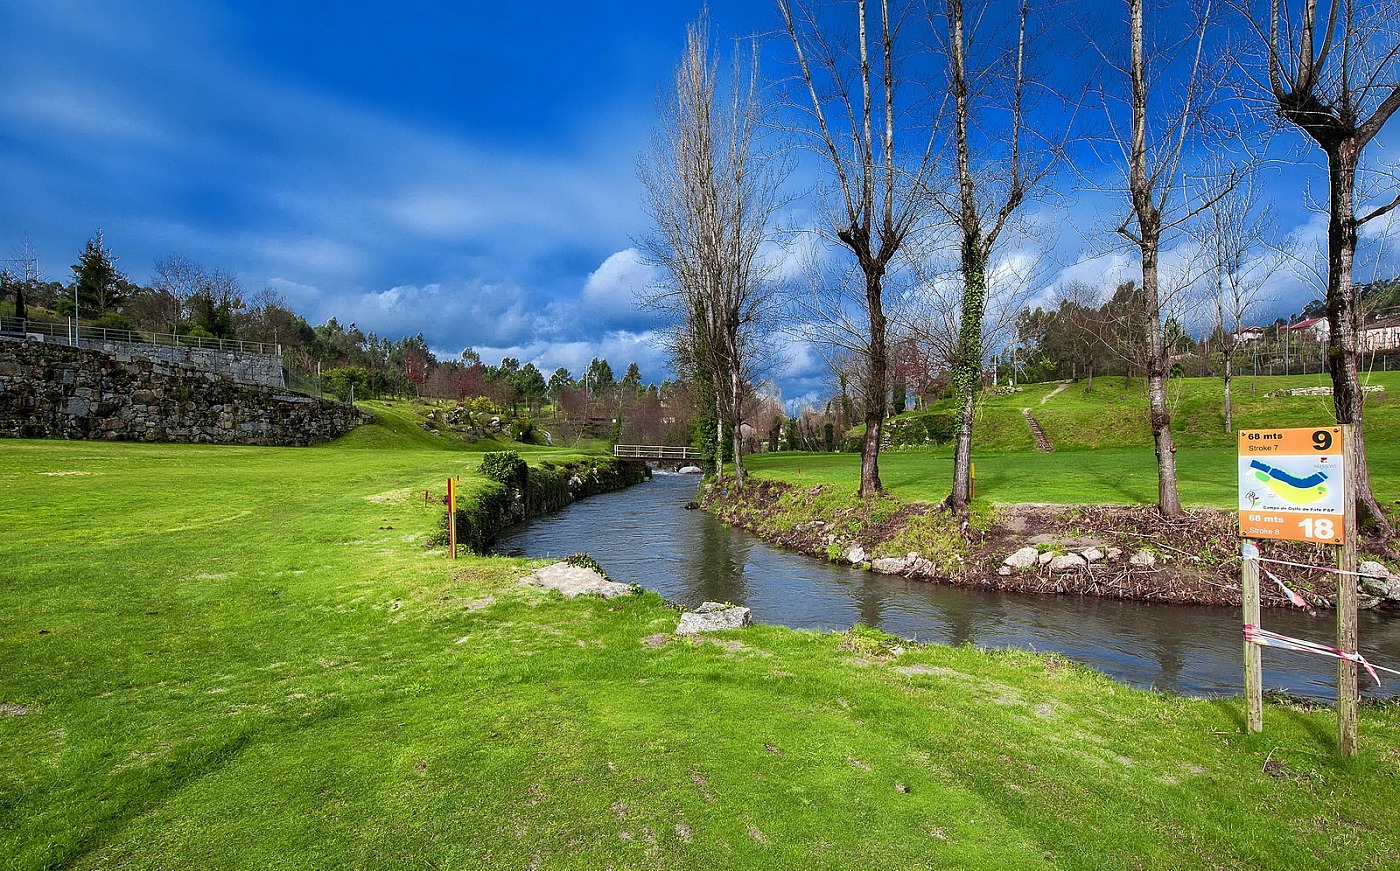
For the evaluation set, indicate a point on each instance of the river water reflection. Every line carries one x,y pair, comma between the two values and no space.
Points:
644,535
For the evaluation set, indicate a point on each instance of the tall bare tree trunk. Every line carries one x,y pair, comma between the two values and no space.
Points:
978,216
1142,188
877,384
719,440
1159,413
881,201
1343,361
1334,77
736,399
967,375
1229,406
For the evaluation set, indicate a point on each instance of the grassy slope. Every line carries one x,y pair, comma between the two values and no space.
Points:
1103,450
228,658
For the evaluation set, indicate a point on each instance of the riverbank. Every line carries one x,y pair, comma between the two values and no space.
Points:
215,657
514,491
1120,552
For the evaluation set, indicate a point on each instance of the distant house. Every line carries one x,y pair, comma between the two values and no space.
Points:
1249,334
1315,329
1380,336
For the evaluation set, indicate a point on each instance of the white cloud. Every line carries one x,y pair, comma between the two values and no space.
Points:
455,314
436,213
619,284
1103,271
811,399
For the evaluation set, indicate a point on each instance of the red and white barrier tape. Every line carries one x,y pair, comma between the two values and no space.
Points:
1264,638
1328,569
1292,596
1250,551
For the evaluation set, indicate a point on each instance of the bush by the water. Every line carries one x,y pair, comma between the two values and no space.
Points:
504,466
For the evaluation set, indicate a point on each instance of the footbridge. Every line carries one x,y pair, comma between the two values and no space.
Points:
658,455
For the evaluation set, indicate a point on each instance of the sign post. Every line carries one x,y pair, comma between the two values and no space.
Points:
1253,656
1348,695
1295,485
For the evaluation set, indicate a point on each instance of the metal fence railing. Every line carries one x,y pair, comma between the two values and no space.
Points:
655,452
69,335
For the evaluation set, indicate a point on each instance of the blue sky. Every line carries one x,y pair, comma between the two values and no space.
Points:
466,170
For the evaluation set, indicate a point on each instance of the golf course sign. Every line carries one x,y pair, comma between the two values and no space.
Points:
1292,484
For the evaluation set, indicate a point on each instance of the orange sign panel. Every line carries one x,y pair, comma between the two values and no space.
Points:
1292,484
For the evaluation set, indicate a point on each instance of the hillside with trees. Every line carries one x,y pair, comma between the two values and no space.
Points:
186,300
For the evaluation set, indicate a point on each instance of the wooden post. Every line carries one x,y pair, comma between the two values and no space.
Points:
1348,697
451,519
1253,661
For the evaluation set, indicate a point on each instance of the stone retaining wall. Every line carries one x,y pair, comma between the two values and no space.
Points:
242,366
54,391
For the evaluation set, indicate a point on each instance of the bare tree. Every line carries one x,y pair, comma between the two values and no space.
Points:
712,190
1243,257
178,280
20,280
1153,153
852,121
1332,73
995,173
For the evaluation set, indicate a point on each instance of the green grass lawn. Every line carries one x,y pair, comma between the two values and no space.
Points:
1207,477
247,657
1103,447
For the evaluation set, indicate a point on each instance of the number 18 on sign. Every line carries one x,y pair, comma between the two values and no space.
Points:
1291,484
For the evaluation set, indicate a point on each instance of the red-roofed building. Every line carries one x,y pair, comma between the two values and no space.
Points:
1312,328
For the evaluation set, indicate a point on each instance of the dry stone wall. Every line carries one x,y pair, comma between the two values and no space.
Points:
54,391
249,368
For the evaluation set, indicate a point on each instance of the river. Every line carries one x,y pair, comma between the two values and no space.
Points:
644,535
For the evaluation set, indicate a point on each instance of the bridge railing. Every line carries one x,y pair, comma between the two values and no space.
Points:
64,334
655,452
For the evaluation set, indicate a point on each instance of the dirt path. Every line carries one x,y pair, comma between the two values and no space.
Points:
1053,393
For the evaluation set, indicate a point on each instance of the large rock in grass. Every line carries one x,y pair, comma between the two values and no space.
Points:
1069,562
576,581
714,617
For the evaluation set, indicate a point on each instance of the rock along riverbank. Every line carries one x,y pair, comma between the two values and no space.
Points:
1120,552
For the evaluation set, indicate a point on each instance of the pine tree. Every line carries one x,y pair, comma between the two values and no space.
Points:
100,287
